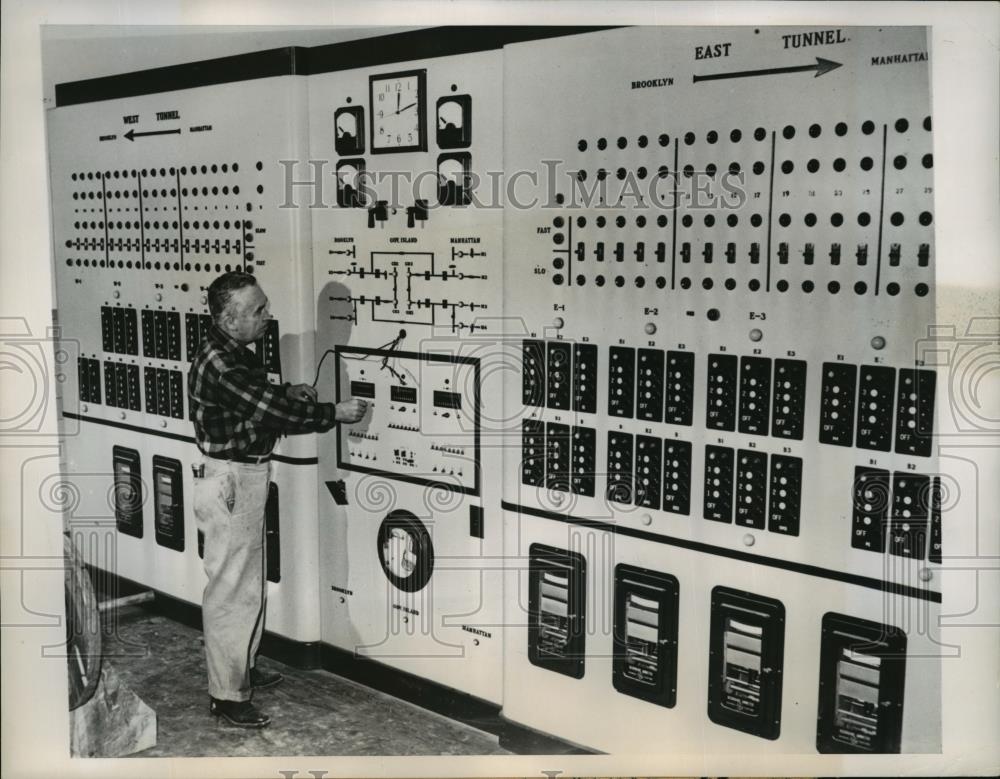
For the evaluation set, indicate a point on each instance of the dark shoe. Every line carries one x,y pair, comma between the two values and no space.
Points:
260,680
242,714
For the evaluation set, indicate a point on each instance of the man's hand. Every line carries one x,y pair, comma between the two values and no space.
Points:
301,392
350,410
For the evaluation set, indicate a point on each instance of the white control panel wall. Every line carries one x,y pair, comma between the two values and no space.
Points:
153,197
723,277
409,299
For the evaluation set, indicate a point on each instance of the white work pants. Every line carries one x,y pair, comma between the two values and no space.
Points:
229,506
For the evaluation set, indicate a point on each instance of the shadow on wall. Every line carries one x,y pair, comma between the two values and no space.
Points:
333,328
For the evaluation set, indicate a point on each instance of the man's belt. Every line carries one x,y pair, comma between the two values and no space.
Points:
249,459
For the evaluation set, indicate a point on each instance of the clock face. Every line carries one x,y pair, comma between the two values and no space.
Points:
398,112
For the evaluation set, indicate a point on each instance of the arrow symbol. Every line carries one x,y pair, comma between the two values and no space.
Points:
822,66
132,134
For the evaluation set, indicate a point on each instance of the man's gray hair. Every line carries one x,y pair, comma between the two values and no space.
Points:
220,291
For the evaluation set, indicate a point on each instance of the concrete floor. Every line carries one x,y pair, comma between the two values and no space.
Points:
312,712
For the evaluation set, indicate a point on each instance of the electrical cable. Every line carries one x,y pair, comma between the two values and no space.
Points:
390,346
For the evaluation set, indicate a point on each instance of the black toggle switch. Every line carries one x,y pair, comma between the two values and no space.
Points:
416,213
835,254
619,252
783,253
809,253
707,252
862,254
661,252
894,254
378,212
924,255
755,253
640,252
599,251
685,252
731,253
579,251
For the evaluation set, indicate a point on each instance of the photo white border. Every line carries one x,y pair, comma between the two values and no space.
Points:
965,67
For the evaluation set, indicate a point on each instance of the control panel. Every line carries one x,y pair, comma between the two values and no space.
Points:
722,271
407,262
423,417
154,196
636,337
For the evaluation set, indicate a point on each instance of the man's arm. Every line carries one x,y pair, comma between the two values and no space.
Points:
269,405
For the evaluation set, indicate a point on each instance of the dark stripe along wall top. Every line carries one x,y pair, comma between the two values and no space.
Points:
305,61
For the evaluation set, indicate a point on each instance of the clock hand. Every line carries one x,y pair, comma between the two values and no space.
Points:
397,102
405,107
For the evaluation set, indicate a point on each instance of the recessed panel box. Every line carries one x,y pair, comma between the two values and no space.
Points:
533,372
272,535
584,378
720,400
557,609
645,634
128,491
168,505
836,416
745,664
862,670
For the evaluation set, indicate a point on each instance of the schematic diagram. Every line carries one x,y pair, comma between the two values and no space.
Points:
411,288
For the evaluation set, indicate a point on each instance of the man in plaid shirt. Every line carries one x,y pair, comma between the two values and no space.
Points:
238,417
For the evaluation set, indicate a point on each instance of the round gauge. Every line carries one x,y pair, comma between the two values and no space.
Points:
349,183
450,115
405,551
349,130
453,178
452,169
453,125
347,176
347,125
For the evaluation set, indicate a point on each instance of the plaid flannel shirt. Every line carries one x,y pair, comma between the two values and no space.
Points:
236,410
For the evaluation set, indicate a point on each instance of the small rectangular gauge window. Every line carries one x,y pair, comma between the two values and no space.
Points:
447,399
399,394
362,389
